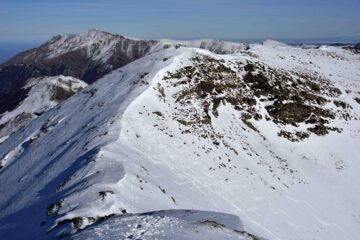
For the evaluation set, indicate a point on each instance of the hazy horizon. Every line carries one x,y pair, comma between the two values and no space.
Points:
38,20
28,23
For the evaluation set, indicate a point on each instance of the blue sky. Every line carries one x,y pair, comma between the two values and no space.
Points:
37,20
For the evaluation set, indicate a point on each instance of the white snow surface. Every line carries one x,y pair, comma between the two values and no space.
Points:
104,151
171,224
216,46
298,212
40,98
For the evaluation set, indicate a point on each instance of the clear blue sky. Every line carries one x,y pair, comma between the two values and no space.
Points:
37,20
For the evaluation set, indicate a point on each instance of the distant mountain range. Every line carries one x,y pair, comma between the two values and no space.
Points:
87,56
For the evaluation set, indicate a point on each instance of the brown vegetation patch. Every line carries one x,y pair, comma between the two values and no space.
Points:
290,98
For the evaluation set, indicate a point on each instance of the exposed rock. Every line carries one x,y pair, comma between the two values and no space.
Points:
53,209
291,113
292,98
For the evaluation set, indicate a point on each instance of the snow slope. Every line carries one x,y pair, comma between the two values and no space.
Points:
216,46
43,94
171,224
185,128
63,156
280,189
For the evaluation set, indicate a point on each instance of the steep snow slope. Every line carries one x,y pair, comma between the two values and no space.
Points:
37,97
64,165
175,224
264,151
251,134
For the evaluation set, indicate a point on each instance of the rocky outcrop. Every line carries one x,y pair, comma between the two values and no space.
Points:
357,47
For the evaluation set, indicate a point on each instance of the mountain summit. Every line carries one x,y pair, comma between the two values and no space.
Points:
87,56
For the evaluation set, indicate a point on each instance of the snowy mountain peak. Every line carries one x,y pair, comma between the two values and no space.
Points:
99,45
86,37
87,56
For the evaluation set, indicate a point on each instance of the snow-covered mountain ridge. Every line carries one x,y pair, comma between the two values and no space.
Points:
261,131
268,134
87,56
100,45
37,97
